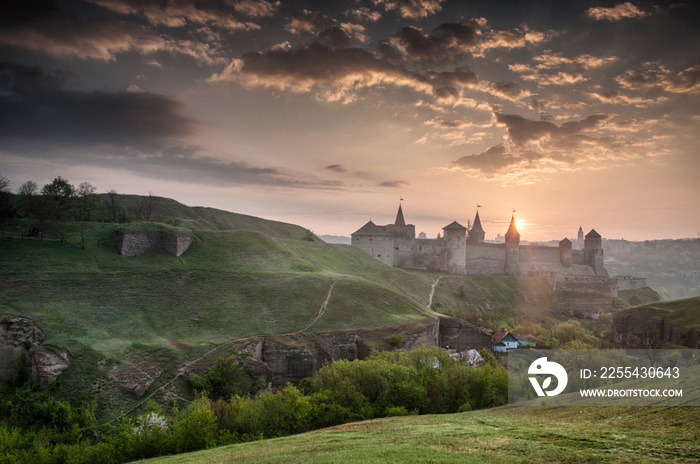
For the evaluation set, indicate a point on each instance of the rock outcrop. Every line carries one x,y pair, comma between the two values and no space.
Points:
22,352
293,357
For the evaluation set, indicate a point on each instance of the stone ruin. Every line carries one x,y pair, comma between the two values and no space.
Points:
134,243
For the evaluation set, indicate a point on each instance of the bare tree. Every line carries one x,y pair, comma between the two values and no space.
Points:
145,206
4,183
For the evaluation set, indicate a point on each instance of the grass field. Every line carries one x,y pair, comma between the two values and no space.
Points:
502,435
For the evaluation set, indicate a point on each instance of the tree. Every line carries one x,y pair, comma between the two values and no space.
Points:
88,202
112,205
61,191
6,209
145,205
4,183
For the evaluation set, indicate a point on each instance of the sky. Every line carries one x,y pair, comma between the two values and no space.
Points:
329,114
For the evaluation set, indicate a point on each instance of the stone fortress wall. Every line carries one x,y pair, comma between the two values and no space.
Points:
463,251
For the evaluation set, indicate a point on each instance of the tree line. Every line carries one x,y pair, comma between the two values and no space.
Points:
59,201
37,428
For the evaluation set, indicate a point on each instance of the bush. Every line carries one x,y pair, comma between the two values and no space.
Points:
197,427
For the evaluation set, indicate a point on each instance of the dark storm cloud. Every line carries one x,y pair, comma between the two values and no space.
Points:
36,105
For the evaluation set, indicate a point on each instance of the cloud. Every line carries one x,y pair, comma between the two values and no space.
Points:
179,13
616,13
651,76
654,75
62,35
335,36
36,106
332,74
554,69
393,183
131,130
614,98
257,8
364,14
688,82
336,168
447,42
303,22
536,147
493,160
412,9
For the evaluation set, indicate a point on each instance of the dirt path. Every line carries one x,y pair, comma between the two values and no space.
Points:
432,292
322,309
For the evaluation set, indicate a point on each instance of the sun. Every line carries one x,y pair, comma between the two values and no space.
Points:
519,224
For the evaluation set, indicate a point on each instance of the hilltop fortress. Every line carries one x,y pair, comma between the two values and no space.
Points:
463,251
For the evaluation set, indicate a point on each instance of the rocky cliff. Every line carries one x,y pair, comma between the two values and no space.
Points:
22,352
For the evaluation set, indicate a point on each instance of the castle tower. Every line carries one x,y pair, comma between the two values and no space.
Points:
565,253
512,265
399,218
477,234
455,236
399,228
593,252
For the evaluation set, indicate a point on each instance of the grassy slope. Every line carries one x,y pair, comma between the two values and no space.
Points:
683,313
503,435
242,276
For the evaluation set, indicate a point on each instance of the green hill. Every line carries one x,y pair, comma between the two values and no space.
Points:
154,316
501,435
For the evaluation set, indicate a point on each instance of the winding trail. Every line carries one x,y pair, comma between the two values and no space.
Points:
322,309
432,292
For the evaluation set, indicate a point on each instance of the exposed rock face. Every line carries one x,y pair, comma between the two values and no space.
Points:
649,327
135,378
294,357
291,358
461,335
134,243
20,348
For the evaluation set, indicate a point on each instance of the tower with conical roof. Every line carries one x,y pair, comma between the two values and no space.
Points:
400,221
512,264
477,234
